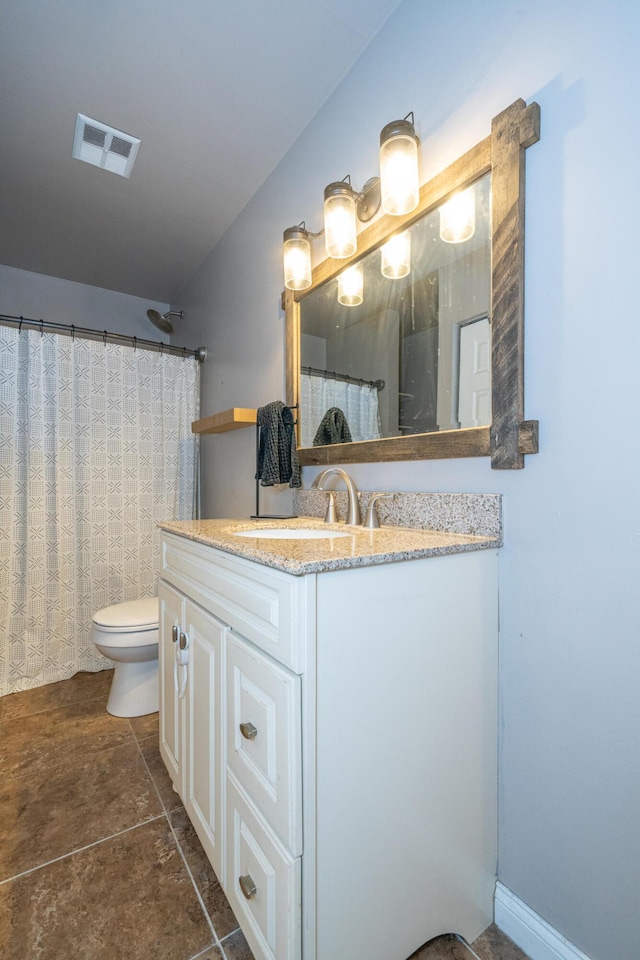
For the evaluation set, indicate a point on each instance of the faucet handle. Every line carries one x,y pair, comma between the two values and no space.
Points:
371,520
331,516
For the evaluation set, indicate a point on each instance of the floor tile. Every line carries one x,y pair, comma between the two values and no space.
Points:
146,726
493,944
128,898
447,947
213,896
49,740
48,815
70,775
82,686
158,771
236,947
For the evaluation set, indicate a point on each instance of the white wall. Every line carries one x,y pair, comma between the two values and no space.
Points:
38,297
570,638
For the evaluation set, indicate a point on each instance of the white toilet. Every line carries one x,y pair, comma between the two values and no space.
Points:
127,633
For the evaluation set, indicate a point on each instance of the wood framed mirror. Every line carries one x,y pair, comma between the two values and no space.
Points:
499,160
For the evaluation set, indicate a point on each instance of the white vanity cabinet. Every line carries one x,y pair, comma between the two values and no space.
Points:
336,745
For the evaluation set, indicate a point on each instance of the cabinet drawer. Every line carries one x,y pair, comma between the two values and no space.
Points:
271,608
264,737
269,907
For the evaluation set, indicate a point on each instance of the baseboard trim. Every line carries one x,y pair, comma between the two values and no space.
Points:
529,931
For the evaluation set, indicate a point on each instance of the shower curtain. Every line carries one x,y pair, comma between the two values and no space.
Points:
95,448
359,403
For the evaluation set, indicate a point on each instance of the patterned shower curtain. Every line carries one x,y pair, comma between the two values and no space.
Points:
359,403
95,448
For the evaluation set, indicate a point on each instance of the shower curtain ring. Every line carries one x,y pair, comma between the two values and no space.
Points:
161,348
41,327
104,337
184,353
73,332
20,326
135,343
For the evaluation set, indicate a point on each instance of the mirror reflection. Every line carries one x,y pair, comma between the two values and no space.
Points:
399,344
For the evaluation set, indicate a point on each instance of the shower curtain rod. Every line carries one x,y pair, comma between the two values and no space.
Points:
344,377
88,333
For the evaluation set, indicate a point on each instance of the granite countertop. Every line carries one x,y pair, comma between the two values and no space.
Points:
360,548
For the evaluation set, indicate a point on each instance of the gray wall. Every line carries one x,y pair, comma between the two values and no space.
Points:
38,297
570,645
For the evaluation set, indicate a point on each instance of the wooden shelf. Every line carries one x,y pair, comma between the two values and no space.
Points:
233,419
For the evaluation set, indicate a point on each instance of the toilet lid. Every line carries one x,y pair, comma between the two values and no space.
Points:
134,613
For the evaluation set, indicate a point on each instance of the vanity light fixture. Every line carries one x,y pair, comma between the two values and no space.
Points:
351,286
296,253
399,179
395,256
340,227
458,217
343,206
397,188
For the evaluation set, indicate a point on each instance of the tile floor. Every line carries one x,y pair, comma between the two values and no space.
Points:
98,860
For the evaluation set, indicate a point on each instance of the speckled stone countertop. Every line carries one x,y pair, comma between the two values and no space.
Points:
477,513
360,548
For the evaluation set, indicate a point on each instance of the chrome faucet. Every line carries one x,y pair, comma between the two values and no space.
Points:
354,517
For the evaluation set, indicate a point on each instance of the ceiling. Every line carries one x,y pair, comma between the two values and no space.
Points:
214,90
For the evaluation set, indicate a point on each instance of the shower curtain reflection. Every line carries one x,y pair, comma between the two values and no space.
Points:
95,448
358,403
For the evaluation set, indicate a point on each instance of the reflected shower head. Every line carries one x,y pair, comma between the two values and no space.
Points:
161,320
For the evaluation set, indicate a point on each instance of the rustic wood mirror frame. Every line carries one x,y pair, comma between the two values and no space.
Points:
509,437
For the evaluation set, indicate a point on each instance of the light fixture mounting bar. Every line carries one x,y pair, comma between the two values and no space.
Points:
368,200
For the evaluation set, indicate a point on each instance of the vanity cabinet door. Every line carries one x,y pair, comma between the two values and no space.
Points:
204,762
172,604
264,737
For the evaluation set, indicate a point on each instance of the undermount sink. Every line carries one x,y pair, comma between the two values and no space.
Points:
291,533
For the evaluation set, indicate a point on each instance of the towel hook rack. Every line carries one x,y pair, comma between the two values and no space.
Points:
267,516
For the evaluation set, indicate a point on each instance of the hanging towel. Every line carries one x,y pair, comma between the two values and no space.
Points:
277,453
333,428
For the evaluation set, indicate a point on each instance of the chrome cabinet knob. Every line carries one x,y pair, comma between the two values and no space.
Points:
184,640
247,886
248,731
175,632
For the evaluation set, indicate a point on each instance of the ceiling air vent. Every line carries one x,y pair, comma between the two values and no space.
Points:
102,146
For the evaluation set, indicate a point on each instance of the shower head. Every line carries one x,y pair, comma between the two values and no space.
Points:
161,320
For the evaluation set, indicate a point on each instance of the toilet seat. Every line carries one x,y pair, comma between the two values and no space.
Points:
129,617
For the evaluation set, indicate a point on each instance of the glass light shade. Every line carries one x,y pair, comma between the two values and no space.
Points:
296,253
395,256
458,217
399,178
340,220
351,286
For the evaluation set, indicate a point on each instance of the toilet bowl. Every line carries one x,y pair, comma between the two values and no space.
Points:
127,633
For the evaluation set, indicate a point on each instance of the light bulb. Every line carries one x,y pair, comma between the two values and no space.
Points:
340,220
458,217
296,252
351,286
395,256
399,178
